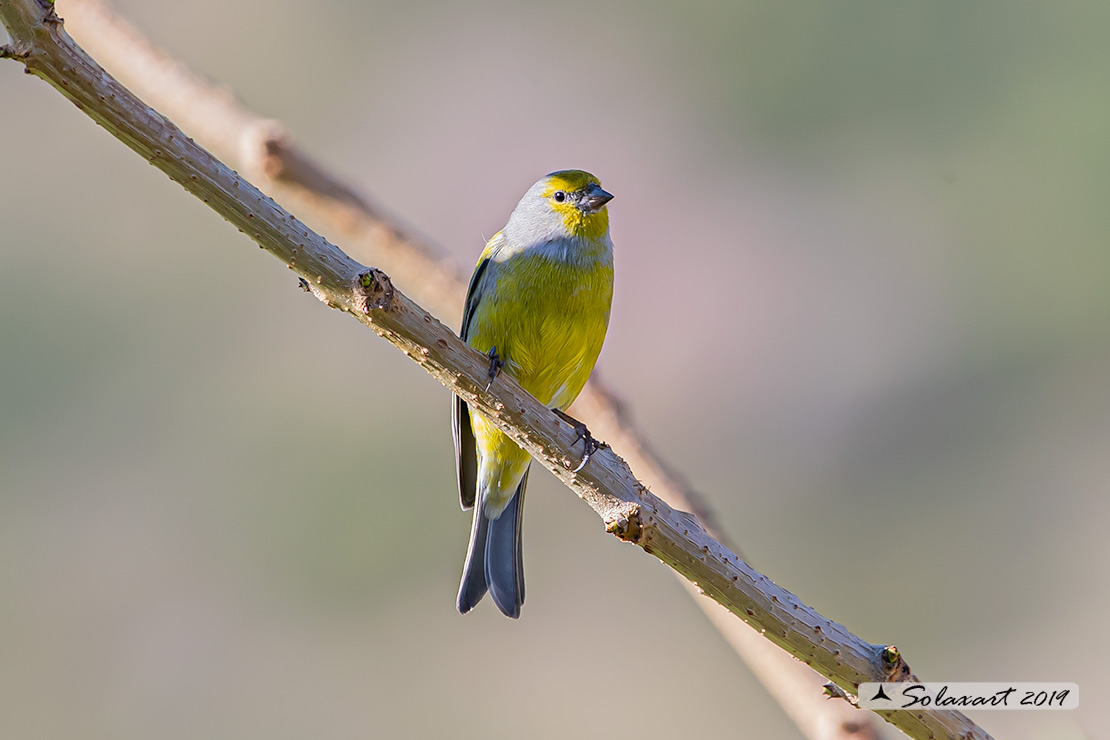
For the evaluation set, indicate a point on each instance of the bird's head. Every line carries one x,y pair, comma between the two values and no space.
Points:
570,203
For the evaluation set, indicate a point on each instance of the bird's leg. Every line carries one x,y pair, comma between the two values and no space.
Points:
591,445
495,365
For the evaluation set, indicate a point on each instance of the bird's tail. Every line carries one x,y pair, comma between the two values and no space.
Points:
494,560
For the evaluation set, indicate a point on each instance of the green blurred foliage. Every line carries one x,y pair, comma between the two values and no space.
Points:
861,303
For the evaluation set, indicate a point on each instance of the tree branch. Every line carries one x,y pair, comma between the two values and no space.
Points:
629,510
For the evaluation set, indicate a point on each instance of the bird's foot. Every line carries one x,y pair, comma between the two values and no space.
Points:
591,445
495,365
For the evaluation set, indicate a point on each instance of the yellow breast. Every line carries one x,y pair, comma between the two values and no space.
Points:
547,317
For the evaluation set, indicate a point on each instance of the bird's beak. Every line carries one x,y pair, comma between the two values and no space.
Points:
594,199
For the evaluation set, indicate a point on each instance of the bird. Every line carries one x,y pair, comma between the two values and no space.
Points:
538,306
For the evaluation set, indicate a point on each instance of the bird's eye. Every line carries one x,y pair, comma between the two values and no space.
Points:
559,196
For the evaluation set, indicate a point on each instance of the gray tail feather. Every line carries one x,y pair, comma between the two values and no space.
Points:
504,556
473,586
495,559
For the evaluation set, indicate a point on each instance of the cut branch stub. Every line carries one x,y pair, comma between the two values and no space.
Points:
625,523
895,667
375,291
18,50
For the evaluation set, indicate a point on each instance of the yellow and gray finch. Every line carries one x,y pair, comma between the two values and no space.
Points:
538,305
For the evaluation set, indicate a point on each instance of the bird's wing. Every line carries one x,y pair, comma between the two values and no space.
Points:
466,455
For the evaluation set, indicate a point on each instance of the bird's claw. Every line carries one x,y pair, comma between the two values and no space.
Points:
590,444
495,365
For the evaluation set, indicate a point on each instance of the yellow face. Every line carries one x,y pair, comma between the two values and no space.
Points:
573,195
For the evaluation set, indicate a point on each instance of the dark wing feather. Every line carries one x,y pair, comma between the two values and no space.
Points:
466,454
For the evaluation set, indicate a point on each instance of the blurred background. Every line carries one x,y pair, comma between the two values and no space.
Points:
861,303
